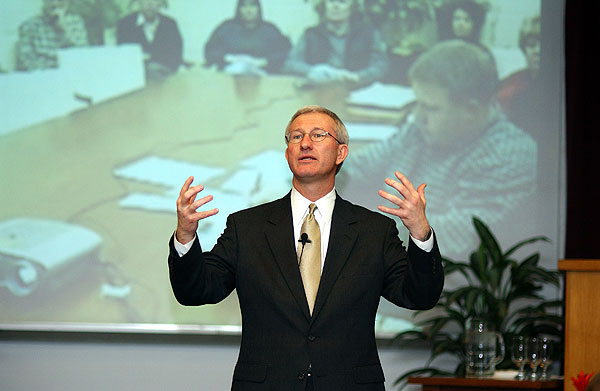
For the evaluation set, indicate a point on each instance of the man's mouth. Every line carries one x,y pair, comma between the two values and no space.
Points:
307,158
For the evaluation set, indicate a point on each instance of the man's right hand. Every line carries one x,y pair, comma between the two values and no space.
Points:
187,214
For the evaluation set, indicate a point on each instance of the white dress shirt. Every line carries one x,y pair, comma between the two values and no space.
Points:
149,27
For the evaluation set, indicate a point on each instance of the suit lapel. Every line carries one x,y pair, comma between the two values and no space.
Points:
341,240
279,232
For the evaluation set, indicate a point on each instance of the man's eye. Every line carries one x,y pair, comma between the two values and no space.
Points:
297,136
319,136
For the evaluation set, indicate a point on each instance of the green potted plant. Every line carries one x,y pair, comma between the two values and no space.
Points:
499,288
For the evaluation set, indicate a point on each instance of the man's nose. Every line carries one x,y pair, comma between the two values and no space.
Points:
306,142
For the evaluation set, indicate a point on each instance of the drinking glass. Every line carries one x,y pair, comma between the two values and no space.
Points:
546,353
533,357
518,355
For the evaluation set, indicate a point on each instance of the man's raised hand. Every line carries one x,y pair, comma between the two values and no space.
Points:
410,206
187,214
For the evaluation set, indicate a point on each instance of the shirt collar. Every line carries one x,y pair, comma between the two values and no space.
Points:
300,206
141,20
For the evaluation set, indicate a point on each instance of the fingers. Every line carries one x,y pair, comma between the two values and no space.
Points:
403,208
406,188
198,203
187,210
189,215
405,182
187,203
408,198
205,214
392,198
392,211
192,217
188,193
421,191
403,186
186,186
410,205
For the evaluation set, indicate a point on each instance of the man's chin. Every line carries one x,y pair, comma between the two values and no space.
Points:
301,174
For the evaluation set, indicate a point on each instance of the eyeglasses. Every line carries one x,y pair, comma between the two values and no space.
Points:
315,135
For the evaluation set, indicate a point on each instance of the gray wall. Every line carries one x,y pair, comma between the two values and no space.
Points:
133,363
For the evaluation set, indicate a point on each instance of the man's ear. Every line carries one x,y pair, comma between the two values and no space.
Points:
342,153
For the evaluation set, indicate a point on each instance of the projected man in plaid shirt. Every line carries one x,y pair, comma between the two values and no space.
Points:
456,140
42,35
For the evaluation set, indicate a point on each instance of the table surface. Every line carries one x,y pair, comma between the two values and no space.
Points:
63,169
457,383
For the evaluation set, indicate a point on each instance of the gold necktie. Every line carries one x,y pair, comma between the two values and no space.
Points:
309,257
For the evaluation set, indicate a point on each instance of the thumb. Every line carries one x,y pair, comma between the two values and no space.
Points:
421,190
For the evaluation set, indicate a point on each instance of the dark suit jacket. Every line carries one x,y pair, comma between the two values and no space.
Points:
167,47
280,340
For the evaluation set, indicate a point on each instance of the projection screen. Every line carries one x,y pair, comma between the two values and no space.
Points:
96,145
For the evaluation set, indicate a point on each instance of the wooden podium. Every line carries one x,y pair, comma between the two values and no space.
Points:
582,317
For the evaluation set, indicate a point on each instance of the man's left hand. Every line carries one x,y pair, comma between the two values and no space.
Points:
410,206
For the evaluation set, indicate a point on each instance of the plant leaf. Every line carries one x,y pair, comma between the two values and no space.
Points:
488,240
451,267
478,262
524,242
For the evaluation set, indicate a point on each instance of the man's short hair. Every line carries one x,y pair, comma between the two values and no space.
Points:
530,31
341,134
465,70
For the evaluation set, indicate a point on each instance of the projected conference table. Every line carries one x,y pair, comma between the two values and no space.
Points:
67,170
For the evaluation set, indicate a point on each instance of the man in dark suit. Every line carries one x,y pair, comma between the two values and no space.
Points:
301,329
157,34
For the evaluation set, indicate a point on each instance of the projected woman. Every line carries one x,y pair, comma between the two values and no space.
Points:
247,44
520,89
343,47
158,35
463,20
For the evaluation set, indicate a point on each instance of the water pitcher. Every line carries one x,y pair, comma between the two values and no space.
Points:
484,348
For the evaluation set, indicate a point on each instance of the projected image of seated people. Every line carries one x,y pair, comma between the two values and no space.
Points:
156,33
343,47
247,44
42,35
478,163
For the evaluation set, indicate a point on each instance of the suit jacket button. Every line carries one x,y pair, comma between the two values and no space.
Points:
311,338
301,376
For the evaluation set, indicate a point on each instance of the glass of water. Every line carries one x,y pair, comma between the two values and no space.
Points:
534,357
546,347
518,355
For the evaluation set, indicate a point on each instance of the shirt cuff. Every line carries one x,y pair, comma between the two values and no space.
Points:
182,249
426,245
